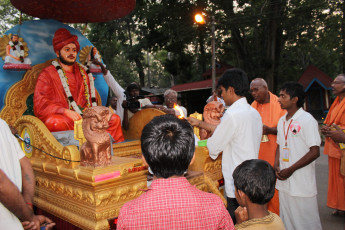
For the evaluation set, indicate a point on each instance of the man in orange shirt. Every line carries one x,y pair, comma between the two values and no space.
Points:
270,111
336,115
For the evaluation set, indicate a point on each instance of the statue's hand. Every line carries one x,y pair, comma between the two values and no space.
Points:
96,62
72,115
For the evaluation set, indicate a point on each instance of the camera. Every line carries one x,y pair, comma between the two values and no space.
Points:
132,102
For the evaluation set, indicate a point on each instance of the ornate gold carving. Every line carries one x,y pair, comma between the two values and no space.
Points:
91,204
202,187
15,101
196,129
78,132
124,172
84,53
213,166
131,148
214,188
43,139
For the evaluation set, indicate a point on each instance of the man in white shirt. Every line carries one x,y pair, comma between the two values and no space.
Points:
17,185
118,91
298,142
125,113
239,133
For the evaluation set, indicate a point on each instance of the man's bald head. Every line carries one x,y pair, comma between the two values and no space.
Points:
259,90
259,82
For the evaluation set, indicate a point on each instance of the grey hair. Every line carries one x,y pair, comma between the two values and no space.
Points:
169,91
261,80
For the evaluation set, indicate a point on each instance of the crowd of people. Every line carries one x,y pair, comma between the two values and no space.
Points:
268,151
269,183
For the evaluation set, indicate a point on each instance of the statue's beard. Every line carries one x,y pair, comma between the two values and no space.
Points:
64,61
15,42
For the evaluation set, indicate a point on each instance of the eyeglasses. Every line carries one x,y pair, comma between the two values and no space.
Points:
170,98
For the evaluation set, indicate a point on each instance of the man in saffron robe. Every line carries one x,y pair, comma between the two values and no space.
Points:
64,88
266,103
336,115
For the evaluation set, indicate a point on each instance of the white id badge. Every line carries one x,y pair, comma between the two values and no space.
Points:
286,154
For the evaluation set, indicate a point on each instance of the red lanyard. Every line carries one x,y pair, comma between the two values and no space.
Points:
285,135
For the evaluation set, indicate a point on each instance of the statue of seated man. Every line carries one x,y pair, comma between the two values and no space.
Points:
15,52
64,89
94,55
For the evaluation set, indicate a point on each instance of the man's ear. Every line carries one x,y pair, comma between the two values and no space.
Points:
57,53
294,100
231,90
241,194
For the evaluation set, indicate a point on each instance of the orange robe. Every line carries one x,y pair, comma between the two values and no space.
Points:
270,114
336,182
50,101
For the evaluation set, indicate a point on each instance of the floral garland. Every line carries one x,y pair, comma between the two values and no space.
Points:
65,85
92,84
18,54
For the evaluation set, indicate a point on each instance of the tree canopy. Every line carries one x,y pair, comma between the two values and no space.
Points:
159,44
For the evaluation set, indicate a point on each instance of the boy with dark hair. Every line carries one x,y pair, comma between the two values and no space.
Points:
254,187
172,202
298,142
239,133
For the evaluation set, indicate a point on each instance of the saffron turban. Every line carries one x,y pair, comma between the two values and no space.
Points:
63,37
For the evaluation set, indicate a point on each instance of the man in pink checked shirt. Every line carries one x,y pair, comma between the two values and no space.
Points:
172,202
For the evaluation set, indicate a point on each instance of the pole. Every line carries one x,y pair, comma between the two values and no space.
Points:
148,70
213,55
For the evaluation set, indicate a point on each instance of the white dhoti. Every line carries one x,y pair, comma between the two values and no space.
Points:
9,59
299,213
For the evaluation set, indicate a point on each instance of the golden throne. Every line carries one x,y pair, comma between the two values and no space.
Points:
84,196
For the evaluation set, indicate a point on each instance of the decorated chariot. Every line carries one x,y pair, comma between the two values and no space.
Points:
84,196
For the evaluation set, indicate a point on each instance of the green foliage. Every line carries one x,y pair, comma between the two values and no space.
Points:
273,39
10,16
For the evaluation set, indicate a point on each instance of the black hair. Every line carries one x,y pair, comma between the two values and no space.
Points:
237,79
294,89
256,178
91,53
132,86
167,144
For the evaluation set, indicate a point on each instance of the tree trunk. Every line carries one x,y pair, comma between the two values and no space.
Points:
242,54
273,35
136,58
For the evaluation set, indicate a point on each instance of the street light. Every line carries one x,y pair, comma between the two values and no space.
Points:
200,19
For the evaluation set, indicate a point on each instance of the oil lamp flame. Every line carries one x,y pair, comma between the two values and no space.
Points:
180,111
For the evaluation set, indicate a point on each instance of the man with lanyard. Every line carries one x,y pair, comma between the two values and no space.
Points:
298,142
